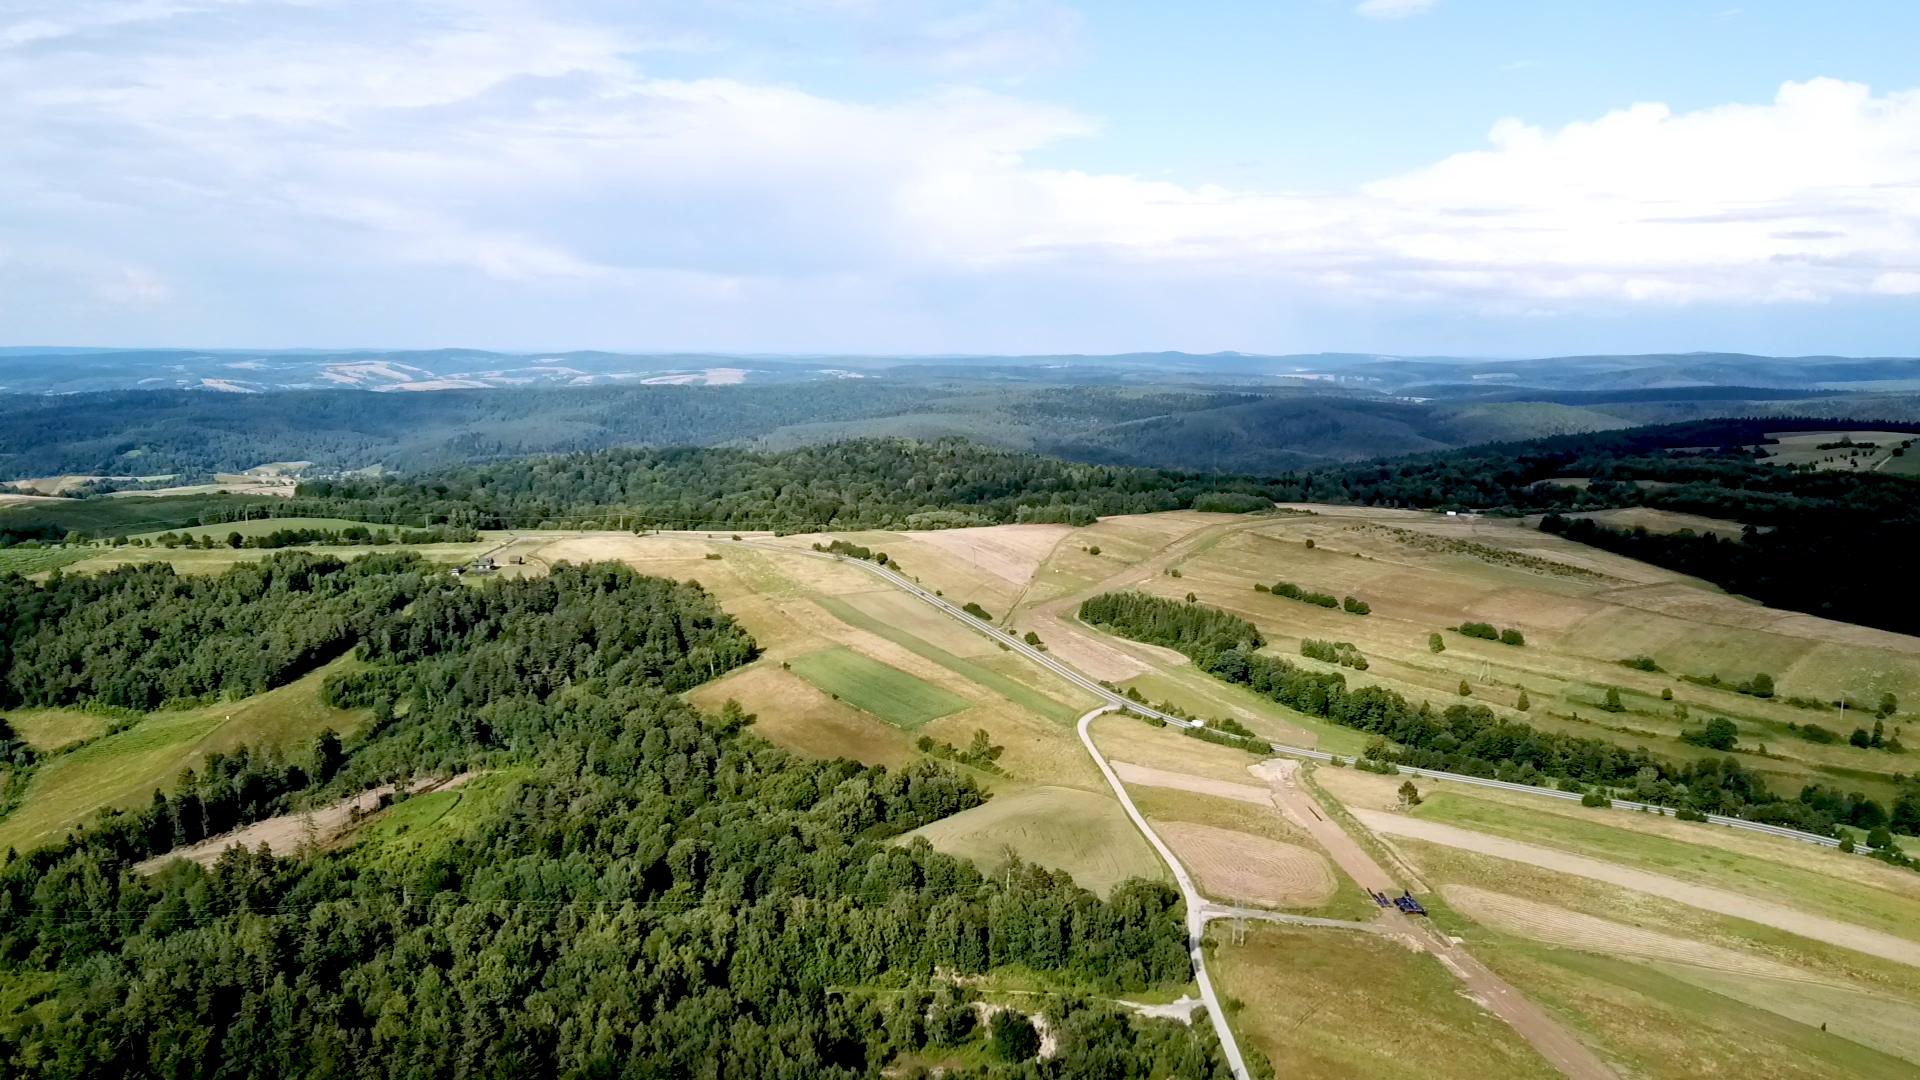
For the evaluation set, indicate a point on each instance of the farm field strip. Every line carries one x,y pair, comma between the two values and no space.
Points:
1708,898
867,684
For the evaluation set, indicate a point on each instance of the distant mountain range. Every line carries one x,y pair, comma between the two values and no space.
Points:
197,415
63,370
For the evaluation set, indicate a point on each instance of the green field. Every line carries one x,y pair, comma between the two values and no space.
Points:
263,525
1007,687
35,560
1331,1004
120,517
418,825
887,692
124,769
47,730
1667,1028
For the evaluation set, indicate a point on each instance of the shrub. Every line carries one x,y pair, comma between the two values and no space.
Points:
1094,550
1718,734
1483,631
1511,636
1640,663
1846,845
1612,702
1814,733
976,611
1012,1036
1436,643
1861,739
1687,813
1465,690
1596,797
1523,703
1355,606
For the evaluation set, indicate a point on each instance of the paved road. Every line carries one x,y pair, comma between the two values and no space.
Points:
1119,701
1197,907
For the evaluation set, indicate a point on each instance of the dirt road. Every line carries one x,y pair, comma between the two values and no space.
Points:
1545,1034
1706,897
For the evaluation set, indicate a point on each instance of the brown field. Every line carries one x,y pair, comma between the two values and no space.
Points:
1147,776
1246,869
1555,925
1010,552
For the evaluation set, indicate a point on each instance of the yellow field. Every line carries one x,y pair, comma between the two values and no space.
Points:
1085,834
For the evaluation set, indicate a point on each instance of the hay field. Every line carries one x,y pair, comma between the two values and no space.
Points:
1804,448
1581,612
1325,1004
1664,521
1242,868
1083,833
47,730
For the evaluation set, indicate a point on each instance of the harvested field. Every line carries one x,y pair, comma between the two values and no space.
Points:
1665,521
1011,553
1558,926
1322,1004
790,713
1087,835
1242,868
1132,739
1148,776
1778,916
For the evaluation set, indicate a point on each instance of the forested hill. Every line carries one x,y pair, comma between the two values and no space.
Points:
628,888
863,483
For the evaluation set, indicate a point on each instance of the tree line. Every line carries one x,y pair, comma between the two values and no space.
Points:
858,484
1472,739
652,890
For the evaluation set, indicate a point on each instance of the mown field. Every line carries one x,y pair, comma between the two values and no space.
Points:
886,692
1344,1004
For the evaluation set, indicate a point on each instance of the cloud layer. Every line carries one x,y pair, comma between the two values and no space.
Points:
167,152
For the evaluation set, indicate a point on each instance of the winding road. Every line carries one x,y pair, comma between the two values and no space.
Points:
1198,910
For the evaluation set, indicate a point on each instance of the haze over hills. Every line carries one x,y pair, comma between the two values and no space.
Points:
194,414
31,369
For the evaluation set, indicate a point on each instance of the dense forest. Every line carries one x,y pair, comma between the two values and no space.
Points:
653,892
1471,739
862,483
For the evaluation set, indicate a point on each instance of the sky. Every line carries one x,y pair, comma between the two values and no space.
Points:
1464,177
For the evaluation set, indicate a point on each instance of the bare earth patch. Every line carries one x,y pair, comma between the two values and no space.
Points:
1780,917
1148,776
285,834
1250,869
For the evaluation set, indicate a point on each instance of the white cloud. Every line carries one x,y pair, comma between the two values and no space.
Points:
1393,9
435,144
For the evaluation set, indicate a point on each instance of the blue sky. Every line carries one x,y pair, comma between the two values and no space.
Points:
1487,177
